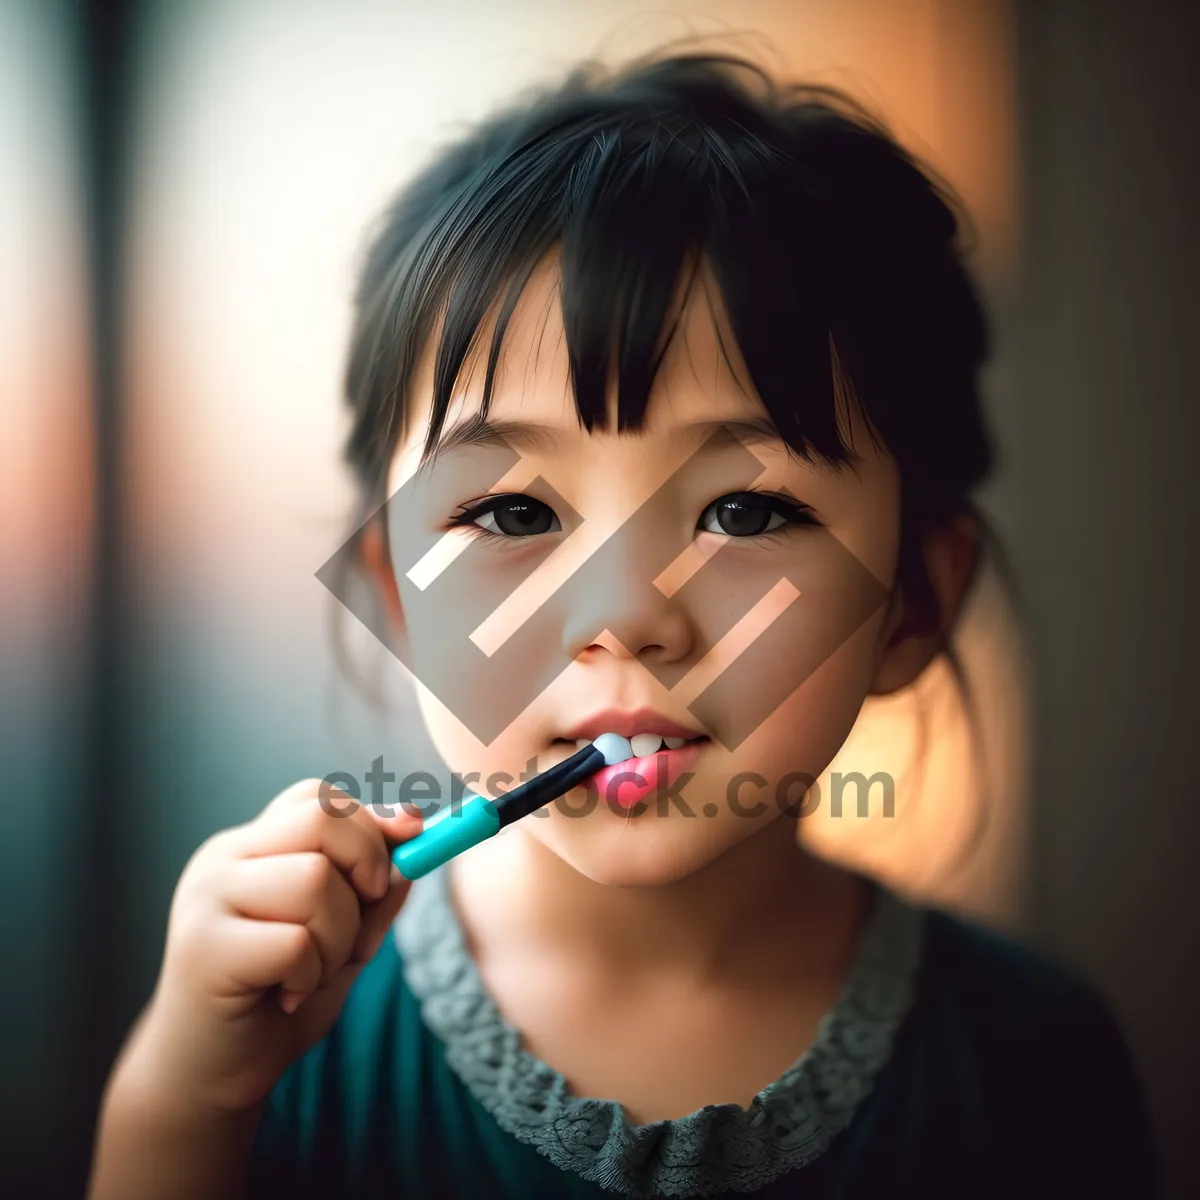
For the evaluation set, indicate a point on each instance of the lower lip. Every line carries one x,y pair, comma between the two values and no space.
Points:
655,771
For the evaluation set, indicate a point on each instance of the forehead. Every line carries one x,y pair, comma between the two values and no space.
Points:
701,377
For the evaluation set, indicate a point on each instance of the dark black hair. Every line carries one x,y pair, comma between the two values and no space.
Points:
840,263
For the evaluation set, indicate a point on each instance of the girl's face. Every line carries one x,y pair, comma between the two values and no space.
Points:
693,576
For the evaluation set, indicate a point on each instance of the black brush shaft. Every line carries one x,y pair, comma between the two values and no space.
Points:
549,785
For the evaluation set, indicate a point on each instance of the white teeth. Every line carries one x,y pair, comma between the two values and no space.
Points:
617,749
644,744
614,747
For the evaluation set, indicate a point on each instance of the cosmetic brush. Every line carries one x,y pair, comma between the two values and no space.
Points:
459,827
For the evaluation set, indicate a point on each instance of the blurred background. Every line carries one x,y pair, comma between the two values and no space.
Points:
184,193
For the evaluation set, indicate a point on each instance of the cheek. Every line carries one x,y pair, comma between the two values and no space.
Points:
482,767
805,624
792,746
453,742
448,629
806,731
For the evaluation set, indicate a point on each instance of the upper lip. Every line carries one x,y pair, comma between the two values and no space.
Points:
627,722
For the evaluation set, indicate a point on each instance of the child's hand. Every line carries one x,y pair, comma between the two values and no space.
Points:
270,924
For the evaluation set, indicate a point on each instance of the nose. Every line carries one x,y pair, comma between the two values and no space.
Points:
615,609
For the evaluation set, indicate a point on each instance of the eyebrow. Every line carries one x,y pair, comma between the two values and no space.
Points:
477,431
754,431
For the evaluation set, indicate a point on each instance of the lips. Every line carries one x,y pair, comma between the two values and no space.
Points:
645,744
630,723
637,779
662,749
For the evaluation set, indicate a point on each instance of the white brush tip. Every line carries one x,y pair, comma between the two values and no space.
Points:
614,747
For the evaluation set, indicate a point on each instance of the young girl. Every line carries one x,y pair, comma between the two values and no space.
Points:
671,378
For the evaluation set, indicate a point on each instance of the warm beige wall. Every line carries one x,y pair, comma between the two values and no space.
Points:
958,835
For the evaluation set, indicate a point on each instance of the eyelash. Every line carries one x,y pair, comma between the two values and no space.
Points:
794,515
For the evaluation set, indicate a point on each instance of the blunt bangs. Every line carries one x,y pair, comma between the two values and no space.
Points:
833,255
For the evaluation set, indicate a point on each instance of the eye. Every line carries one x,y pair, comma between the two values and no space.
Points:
748,514
510,516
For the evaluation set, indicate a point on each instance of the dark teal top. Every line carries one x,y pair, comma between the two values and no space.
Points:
957,1063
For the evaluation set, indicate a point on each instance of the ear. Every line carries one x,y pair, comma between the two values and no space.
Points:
377,566
916,630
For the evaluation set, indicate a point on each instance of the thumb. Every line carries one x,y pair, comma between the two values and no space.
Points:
377,918
397,893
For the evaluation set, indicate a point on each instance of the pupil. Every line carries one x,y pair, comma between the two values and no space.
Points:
520,518
739,519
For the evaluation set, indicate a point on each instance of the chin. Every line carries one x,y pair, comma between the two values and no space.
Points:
644,851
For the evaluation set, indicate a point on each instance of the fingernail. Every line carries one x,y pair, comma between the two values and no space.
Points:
290,1001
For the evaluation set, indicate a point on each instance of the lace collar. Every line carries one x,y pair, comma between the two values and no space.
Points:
720,1147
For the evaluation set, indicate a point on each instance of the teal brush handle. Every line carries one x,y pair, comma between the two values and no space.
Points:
447,833
459,827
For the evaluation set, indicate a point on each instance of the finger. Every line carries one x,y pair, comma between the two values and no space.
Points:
377,918
255,955
396,824
353,842
340,805
302,889
307,789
